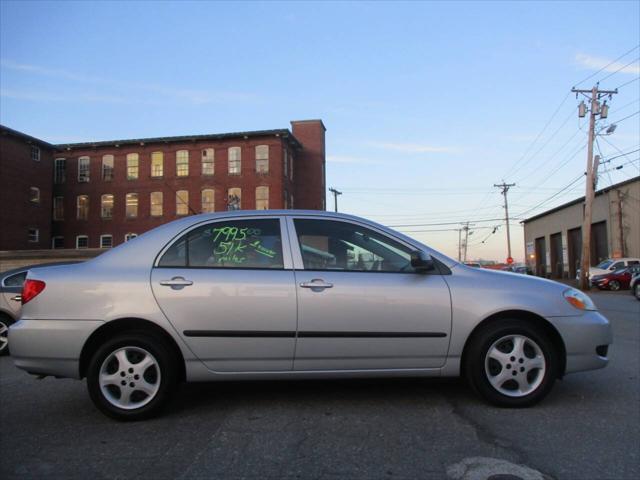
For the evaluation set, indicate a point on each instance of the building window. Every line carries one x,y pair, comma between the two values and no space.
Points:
291,201
262,198
131,205
291,166
182,202
34,195
157,164
106,206
82,207
262,159
59,171
156,204
182,163
130,236
235,161
208,200
58,208
234,199
83,169
106,241
82,241
133,162
208,155
35,153
57,242
34,235
107,168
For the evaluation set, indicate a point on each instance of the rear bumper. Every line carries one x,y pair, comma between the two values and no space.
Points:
582,335
50,347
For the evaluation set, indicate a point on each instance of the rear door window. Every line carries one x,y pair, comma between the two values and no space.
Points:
230,244
15,280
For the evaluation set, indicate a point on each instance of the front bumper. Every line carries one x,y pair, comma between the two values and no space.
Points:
582,335
50,347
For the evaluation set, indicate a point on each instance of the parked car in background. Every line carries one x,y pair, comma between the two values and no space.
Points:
634,285
617,280
296,294
610,265
10,299
473,264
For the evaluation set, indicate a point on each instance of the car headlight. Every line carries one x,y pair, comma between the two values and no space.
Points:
579,300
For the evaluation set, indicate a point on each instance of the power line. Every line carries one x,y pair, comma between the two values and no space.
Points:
621,68
522,214
627,83
607,65
624,118
442,223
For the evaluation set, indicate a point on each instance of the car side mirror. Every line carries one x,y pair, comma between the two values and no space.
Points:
421,262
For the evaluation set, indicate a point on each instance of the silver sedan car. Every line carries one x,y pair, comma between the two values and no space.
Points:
290,295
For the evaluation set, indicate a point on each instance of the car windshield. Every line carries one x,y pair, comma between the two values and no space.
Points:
604,265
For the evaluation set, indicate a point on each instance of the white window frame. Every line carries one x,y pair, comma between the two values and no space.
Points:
262,159
84,169
36,198
262,188
151,204
239,198
59,174
36,236
182,200
157,172
107,168
131,196
212,203
129,236
182,163
234,162
208,160
78,237
104,237
131,157
102,208
78,217
35,153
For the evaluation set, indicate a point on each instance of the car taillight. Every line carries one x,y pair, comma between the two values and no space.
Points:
31,289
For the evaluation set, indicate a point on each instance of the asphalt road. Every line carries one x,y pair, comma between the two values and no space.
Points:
588,428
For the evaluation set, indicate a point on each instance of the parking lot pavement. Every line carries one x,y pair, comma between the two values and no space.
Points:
588,428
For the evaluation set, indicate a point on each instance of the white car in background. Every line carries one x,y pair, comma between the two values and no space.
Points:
610,265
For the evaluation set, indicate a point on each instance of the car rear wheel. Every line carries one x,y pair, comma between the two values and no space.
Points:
614,285
636,290
511,363
131,376
5,323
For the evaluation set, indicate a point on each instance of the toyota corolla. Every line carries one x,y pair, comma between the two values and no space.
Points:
296,294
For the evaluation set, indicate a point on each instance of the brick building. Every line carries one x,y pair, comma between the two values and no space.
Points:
99,194
26,172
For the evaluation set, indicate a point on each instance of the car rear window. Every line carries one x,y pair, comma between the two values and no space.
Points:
15,280
232,244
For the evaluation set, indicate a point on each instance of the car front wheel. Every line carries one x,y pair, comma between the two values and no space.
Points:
511,363
614,285
131,376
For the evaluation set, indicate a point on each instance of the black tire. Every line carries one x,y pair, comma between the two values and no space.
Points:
5,322
636,291
166,376
476,355
614,285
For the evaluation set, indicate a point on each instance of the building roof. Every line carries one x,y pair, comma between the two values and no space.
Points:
581,199
23,136
184,138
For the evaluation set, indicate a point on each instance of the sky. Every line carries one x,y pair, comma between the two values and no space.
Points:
427,104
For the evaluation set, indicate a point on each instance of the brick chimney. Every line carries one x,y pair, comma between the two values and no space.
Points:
309,166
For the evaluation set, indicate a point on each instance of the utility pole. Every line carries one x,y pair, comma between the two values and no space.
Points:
466,240
620,225
335,197
594,95
505,188
459,243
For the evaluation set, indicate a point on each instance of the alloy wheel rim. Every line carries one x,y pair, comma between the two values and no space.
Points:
515,365
129,378
614,285
4,339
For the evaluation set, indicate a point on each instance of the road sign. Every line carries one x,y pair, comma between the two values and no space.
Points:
509,260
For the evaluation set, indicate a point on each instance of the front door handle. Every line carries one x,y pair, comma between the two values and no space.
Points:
176,283
17,298
316,283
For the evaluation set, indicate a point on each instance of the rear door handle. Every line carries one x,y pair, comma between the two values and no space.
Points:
316,283
17,298
176,283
